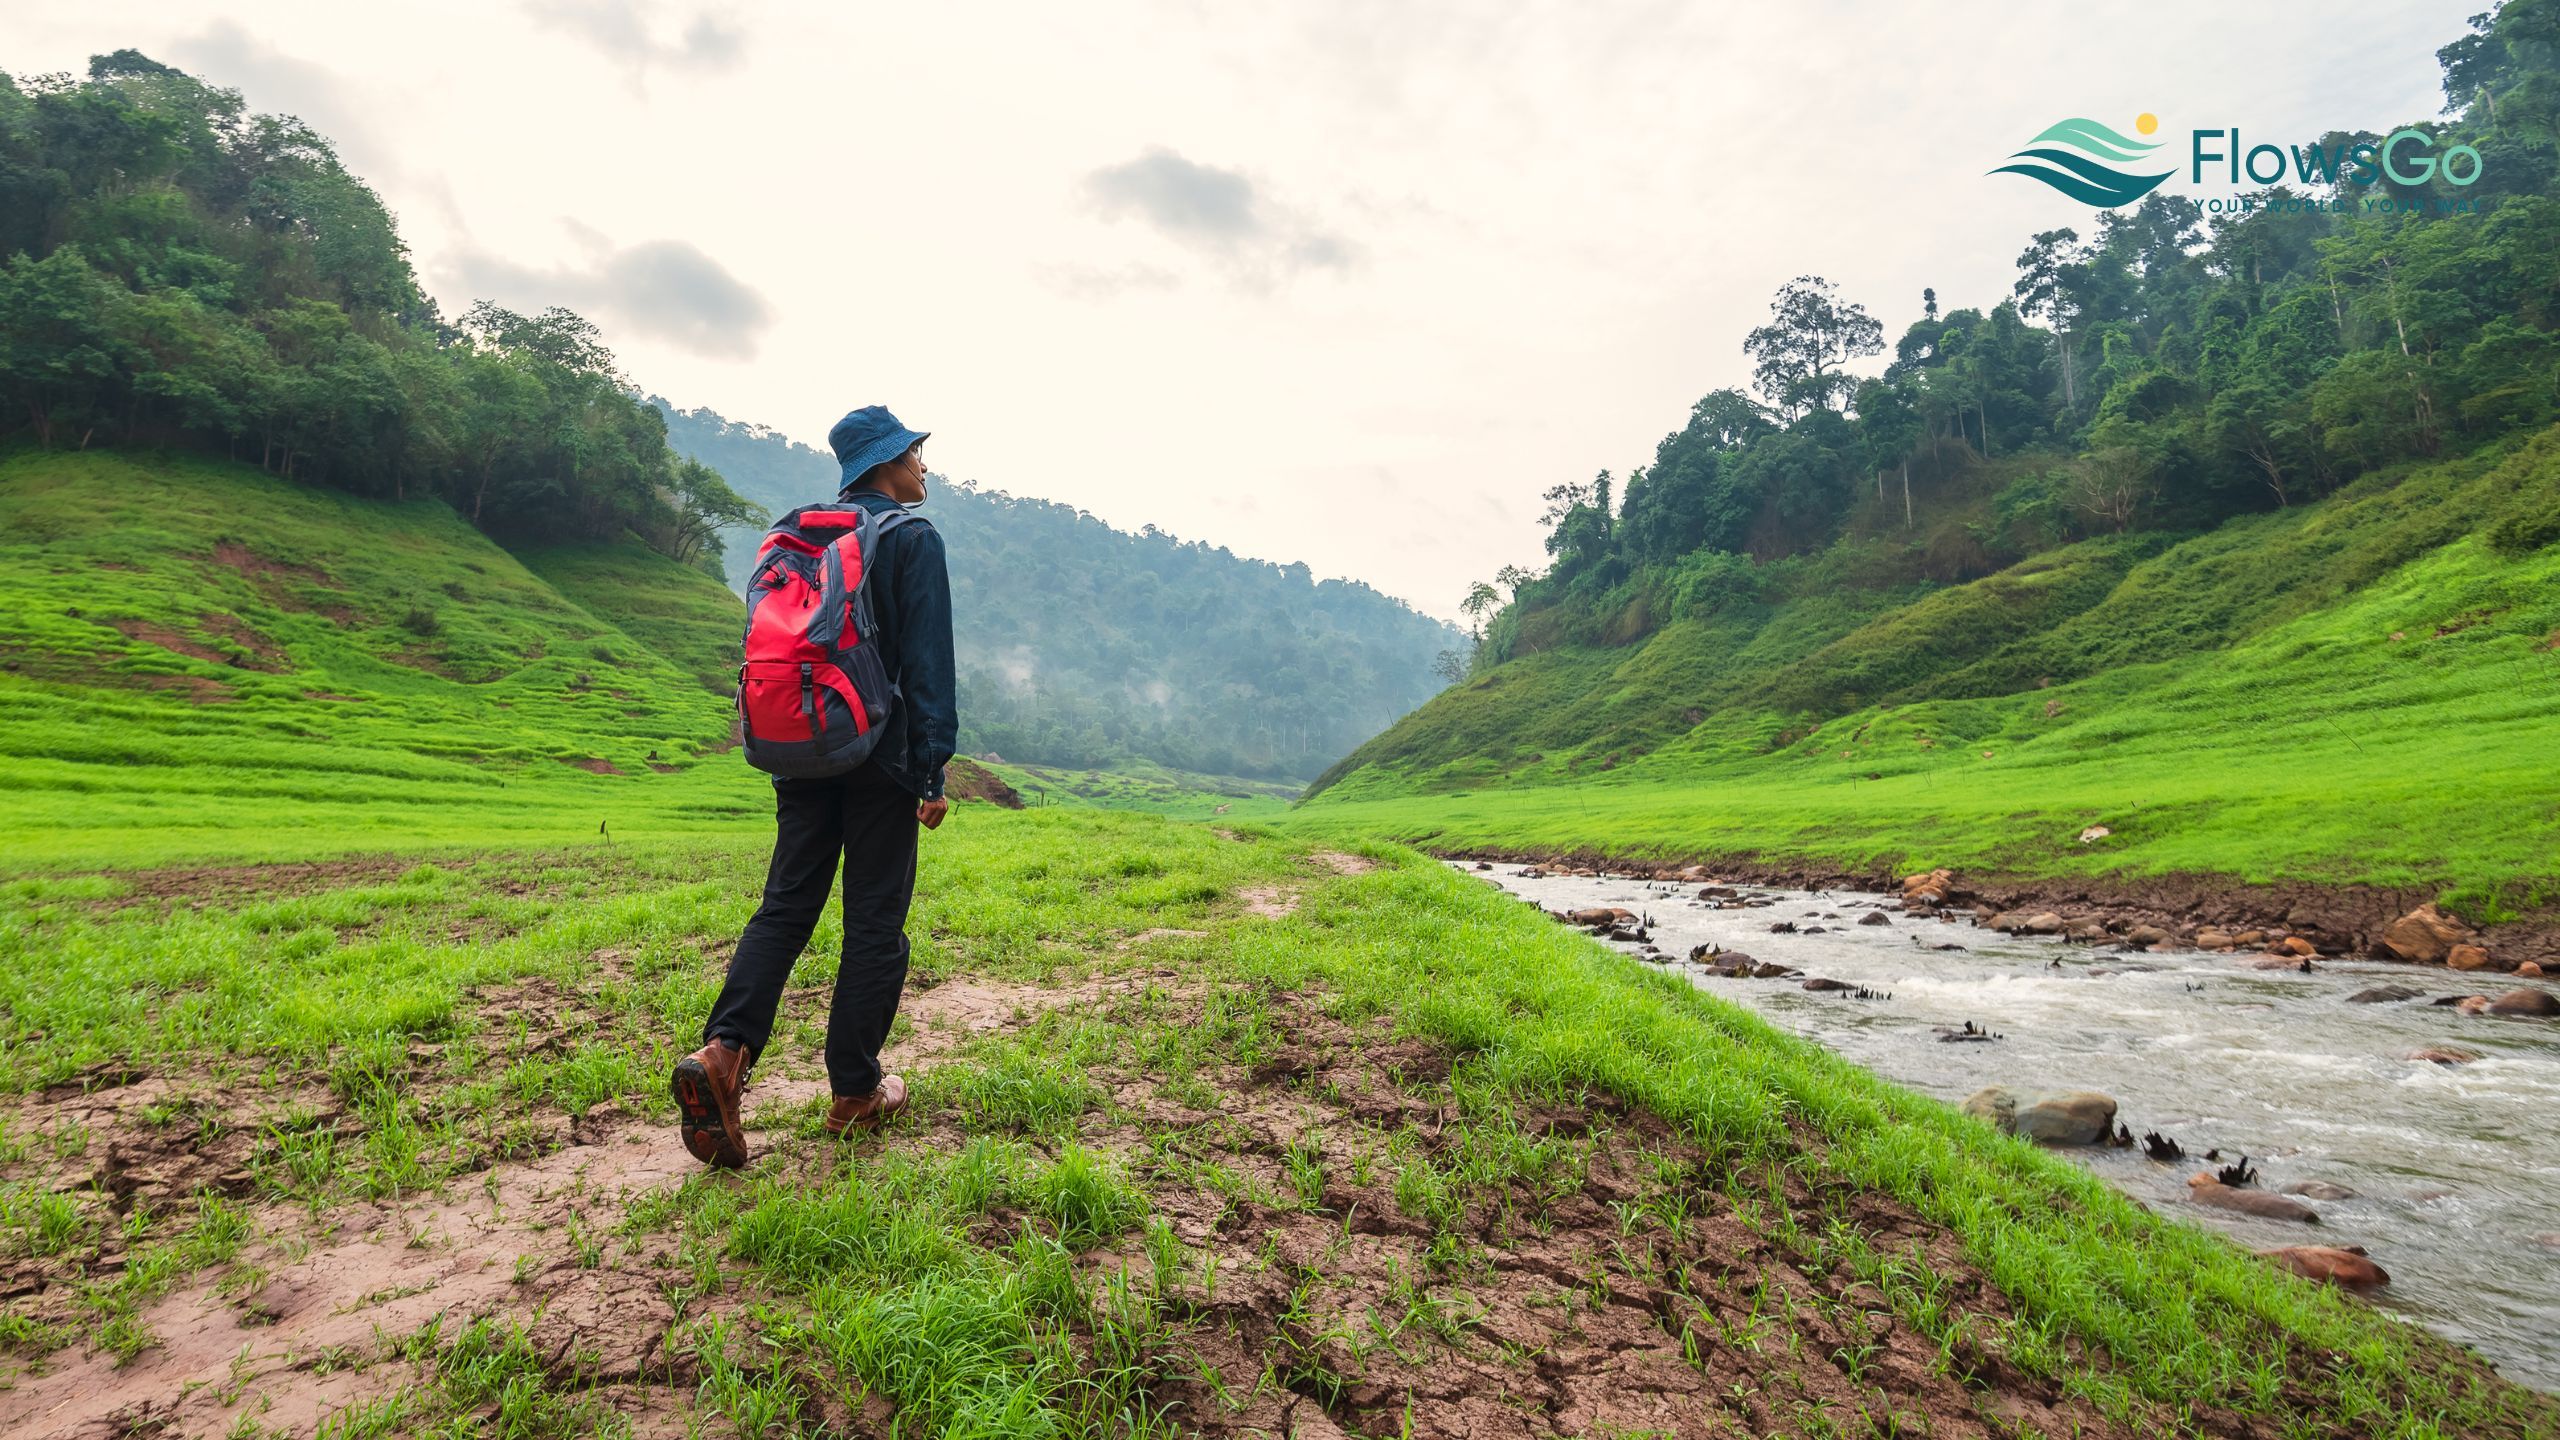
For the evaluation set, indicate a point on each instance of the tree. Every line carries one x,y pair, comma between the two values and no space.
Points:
2112,484
1798,357
2051,271
703,505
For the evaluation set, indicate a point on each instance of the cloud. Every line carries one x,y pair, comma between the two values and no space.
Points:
621,31
1215,213
663,289
272,82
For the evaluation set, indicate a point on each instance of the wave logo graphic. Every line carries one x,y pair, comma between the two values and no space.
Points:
2074,157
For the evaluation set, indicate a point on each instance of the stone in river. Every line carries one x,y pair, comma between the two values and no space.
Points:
2467,957
2148,935
2444,1055
1874,917
2318,1190
2050,1117
2384,994
2526,1001
2341,1265
2425,935
1819,983
2204,1189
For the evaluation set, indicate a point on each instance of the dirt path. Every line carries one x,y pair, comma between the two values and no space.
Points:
296,1328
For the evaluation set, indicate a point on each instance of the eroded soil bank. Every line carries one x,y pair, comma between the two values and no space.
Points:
2342,919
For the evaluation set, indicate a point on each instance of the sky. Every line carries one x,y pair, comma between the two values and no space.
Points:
1342,283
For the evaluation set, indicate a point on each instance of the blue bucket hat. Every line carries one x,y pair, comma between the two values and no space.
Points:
867,437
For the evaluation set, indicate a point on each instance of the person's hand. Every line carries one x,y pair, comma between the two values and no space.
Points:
929,813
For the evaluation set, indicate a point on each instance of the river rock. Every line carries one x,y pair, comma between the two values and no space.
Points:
2443,1055
1875,917
2317,1190
2471,1005
2204,1189
2147,936
1602,915
2526,1001
2529,970
2340,1265
2250,937
1927,888
2466,957
2089,931
2276,960
2295,945
2215,940
2424,936
1819,983
2384,994
2050,1117
2015,922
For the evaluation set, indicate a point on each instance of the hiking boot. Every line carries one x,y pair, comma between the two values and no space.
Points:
868,1112
706,1086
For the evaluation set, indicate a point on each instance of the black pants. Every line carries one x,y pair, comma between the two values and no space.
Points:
870,824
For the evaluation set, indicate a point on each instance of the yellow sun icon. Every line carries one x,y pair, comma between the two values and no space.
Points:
2146,122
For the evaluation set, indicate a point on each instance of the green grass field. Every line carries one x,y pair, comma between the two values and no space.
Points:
1152,789
1208,1129
2365,690
352,911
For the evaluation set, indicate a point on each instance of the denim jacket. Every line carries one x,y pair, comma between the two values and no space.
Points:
911,596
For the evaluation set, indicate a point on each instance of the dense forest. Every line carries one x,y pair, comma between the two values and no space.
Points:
2166,371
1083,645
175,271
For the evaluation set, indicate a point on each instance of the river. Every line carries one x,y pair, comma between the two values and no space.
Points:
2456,1168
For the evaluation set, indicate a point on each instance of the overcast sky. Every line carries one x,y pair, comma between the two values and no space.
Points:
1346,283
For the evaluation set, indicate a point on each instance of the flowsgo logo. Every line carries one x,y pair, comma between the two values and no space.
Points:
2084,160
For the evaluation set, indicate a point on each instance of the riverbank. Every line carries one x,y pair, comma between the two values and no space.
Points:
2339,919
1214,1130
2370,1117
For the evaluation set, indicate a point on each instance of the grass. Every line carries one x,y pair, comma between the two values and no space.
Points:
202,662
1176,1161
1049,1248
1154,789
2359,691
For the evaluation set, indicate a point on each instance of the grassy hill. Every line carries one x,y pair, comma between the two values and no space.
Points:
200,659
2363,689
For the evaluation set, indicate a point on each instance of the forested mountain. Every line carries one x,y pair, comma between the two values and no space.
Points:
175,271
1081,644
1788,556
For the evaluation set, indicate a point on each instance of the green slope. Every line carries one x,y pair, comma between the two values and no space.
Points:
2366,689
675,610
201,658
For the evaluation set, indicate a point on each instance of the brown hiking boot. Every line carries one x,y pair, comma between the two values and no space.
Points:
706,1086
868,1112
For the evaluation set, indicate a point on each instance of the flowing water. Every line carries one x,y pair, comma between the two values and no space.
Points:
2456,1168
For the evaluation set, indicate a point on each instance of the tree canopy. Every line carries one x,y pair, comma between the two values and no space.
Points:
2165,370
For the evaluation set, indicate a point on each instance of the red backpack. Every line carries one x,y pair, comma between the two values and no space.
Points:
814,692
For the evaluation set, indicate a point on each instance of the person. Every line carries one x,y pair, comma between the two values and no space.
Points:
866,821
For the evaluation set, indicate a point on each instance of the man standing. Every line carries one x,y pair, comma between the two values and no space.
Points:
866,820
